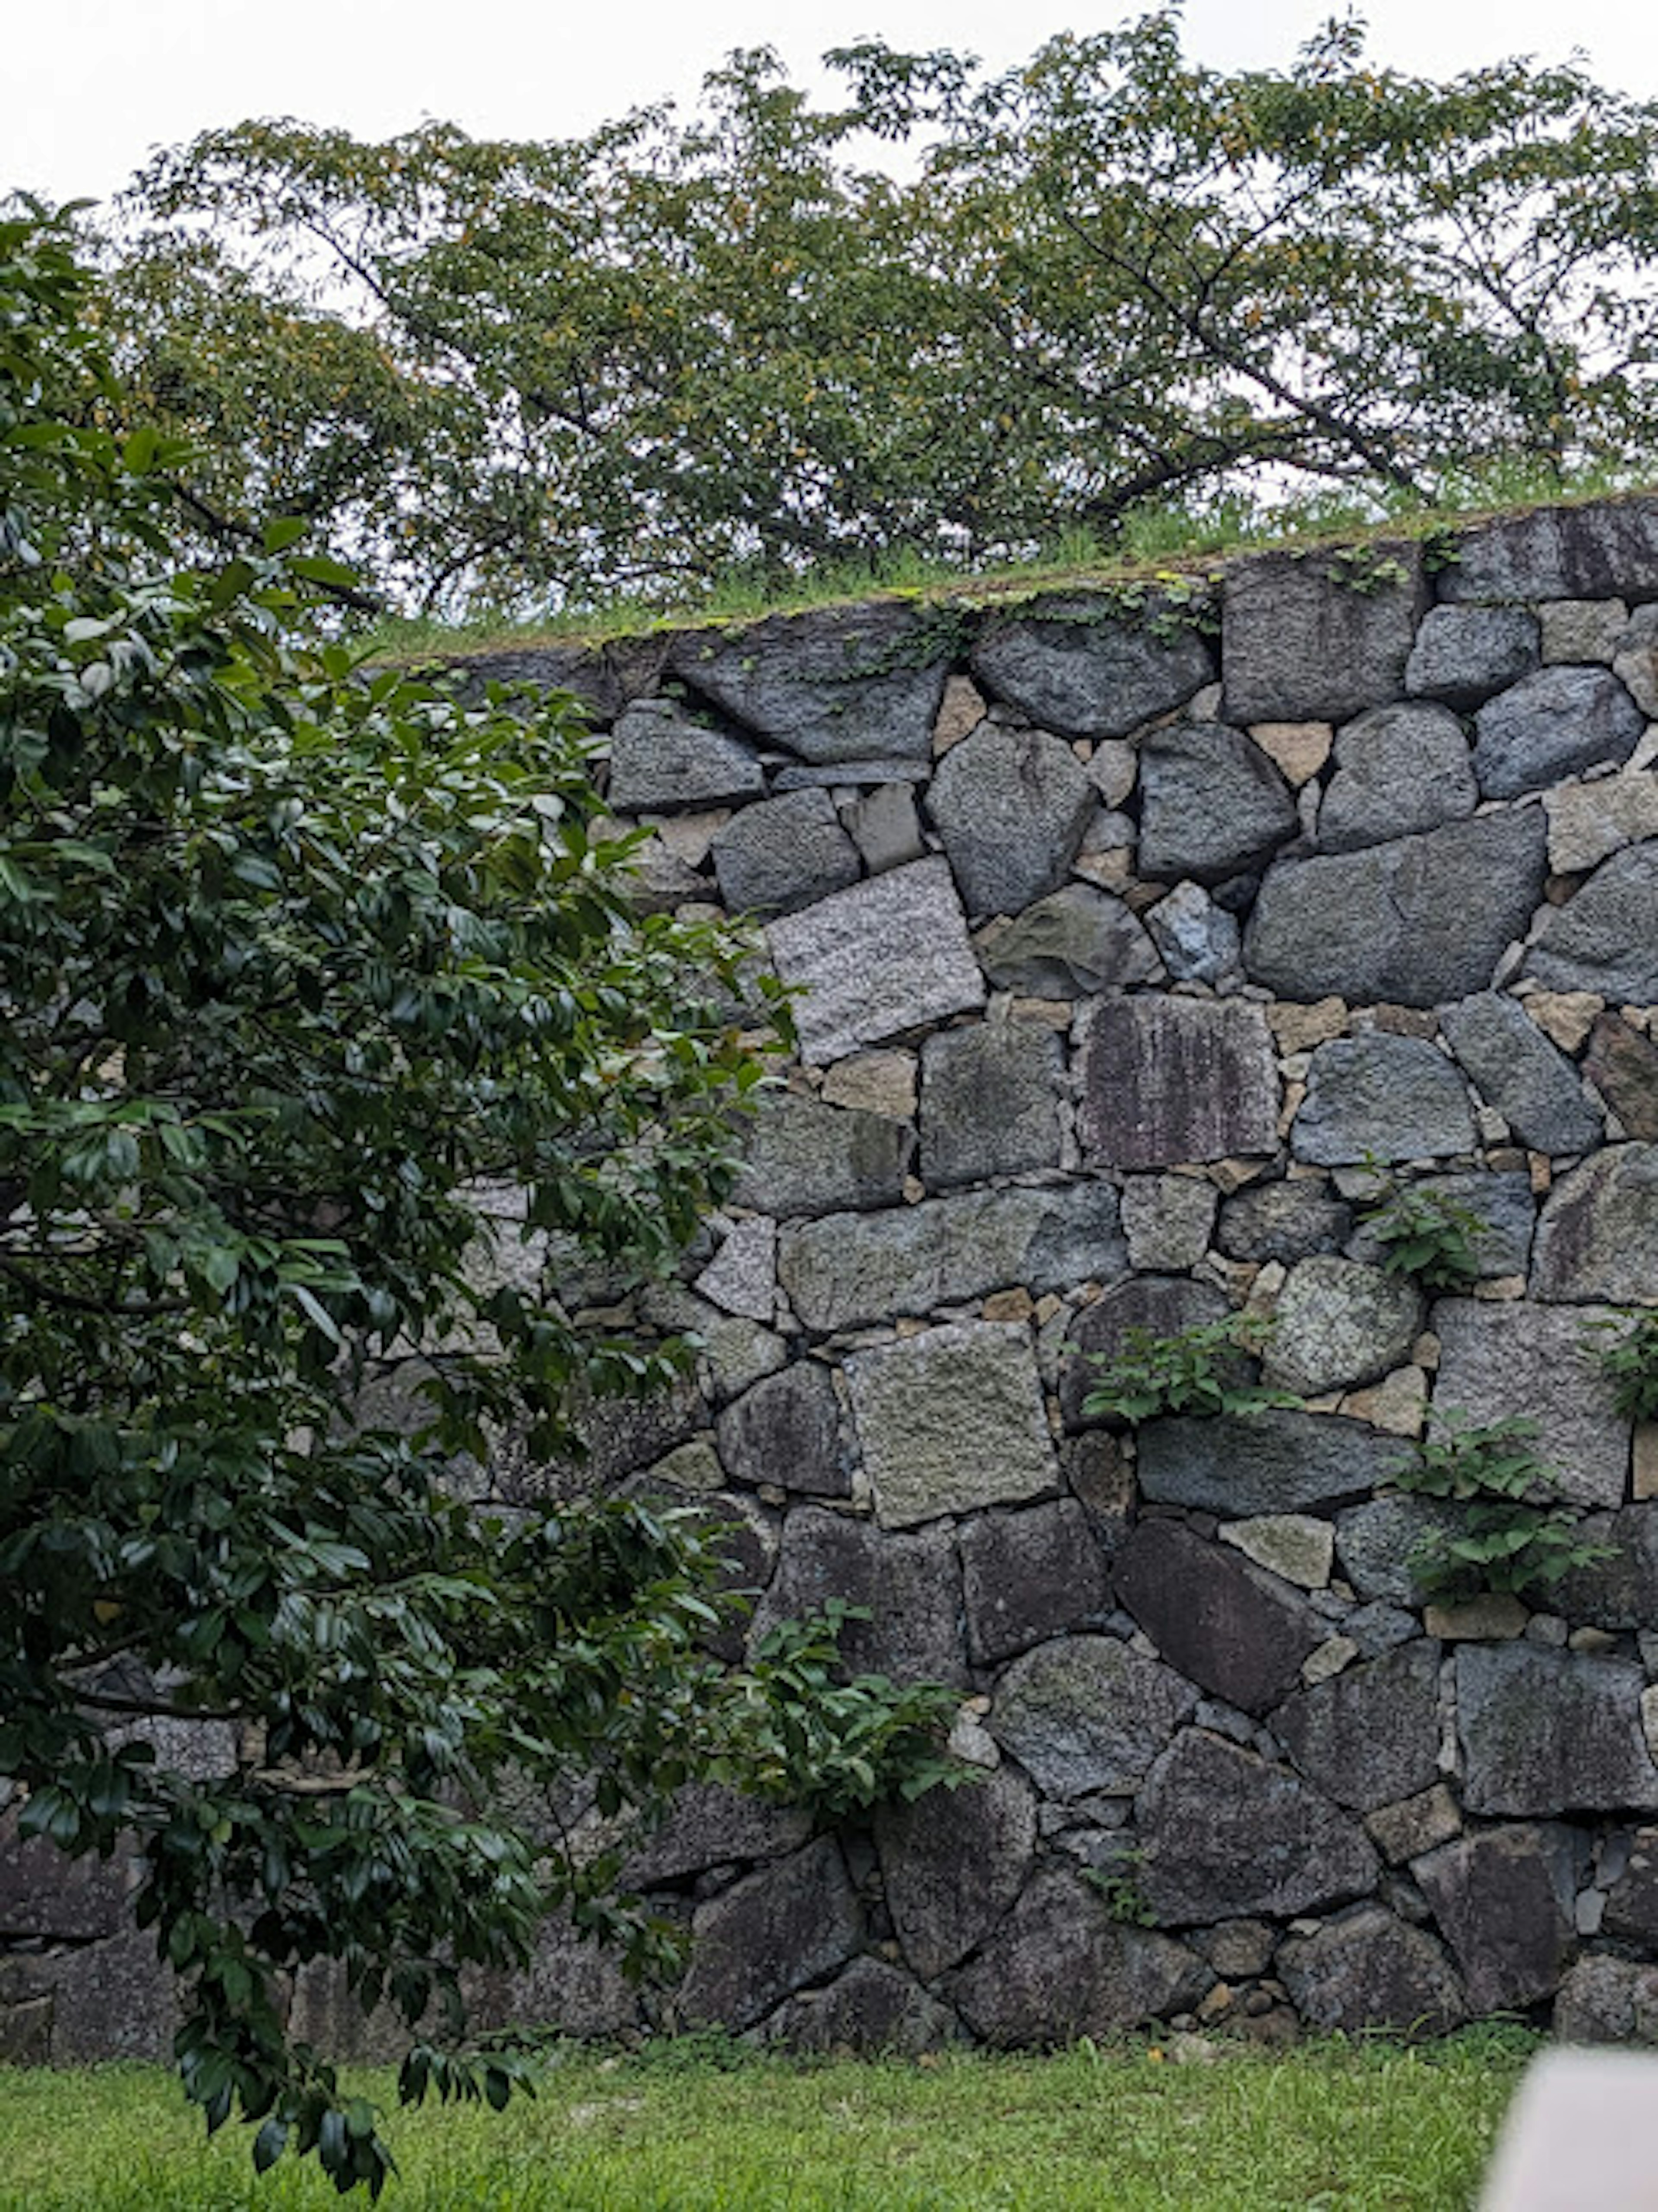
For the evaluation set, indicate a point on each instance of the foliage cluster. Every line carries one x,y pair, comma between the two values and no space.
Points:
1205,1370
1511,1533
1430,1238
329,1037
1110,280
1629,1363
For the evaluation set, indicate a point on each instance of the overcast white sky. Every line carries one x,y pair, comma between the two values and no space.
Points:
92,84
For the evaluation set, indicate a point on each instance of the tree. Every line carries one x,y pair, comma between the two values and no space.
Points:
1111,276
317,982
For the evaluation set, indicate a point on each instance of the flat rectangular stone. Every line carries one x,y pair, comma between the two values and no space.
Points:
1168,1081
951,1420
877,959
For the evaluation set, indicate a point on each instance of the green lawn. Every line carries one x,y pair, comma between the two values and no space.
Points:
1330,2128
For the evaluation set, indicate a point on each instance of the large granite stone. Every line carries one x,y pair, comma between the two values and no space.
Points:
838,684
45,1896
1226,1835
1152,1305
1060,1967
1072,667
1010,806
783,853
786,1431
1029,1576
1381,1097
1632,1900
606,678
1398,922
952,1864
1606,550
1233,1630
1551,1732
1337,1323
1463,655
663,762
1284,1221
871,2010
769,1935
1171,1080
1606,2000
1622,1066
1274,1463
1079,941
1590,821
708,1825
1606,940
950,1420
800,1155
1304,639
1399,770
1169,1219
855,1268
1368,1736
884,956
1504,1900
1537,1362
1086,1713
1531,1082
910,1585
1553,724
1212,805
990,1097
1621,1590
1375,1542
1371,1971
1598,1236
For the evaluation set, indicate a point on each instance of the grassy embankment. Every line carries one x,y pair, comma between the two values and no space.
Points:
1330,2128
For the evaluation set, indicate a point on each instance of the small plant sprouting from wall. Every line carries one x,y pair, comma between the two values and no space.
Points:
1427,1236
1118,1881
1629,1363
1204,1369
1512,1534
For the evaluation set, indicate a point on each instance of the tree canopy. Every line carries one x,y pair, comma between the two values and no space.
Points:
323,1007
954,313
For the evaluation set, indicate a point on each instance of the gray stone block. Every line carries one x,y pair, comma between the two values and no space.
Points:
1518,1359
1283,1221
1221,1622
1156,1306
885,956
1170,1081
1504,1900
1200,941
1401,921
1531,1082
837,684
1273,1462
1503,1204
1381,1097
1169,1219
886,828
1028,1576
953,1863
1337,1323
1551,1732
803,1157
1622,1066
850,1268
1010,806
1606,940
1370,1735
1087,1714
1227,1835
1068,946
950,1420
1212,804
1371,1972
1304,639
710,1825
1399,770
871,2010
1060,1967
786,1431
910,1585
1551,725
1604,550
1374,1541
1598,1236
769,1935
1463,655
783,853
661,761
1072,666
989,1095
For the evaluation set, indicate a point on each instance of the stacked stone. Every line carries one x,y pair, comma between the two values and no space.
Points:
1131,942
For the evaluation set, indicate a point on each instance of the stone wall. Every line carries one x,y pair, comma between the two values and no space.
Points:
1132,931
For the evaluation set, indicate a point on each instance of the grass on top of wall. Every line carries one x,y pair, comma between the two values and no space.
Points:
704,2126
1153,541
